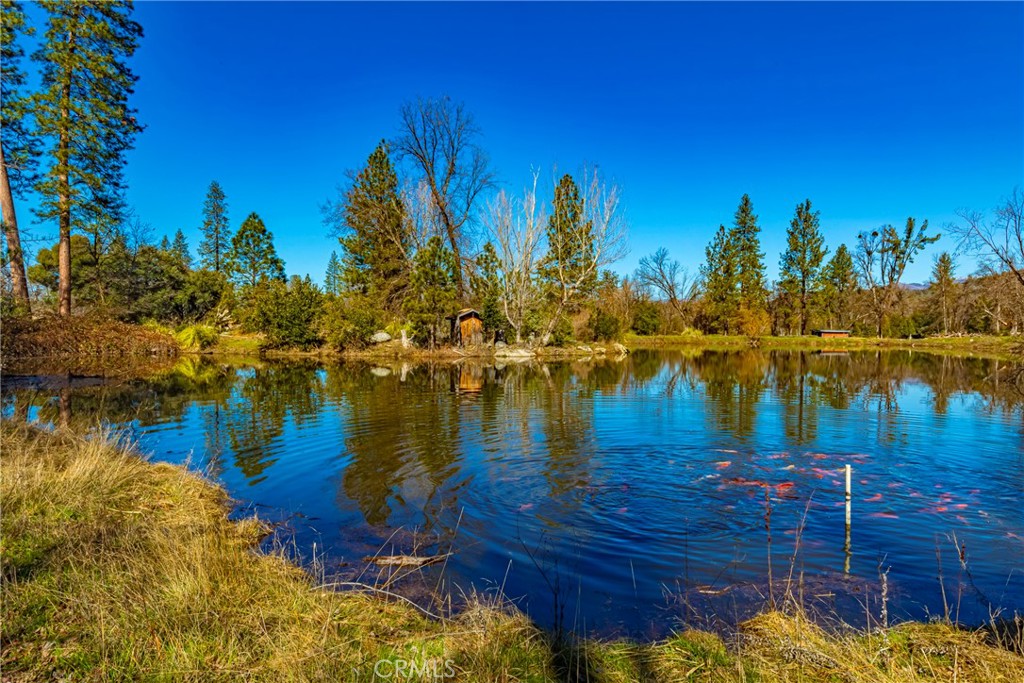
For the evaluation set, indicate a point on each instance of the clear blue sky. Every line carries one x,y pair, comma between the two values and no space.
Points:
873,111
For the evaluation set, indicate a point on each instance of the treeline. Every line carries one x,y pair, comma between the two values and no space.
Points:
423,230
859,289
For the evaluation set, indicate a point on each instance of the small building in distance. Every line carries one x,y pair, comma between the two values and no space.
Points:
467,328
830,334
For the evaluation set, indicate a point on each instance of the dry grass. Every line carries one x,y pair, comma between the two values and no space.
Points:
115,568
78,337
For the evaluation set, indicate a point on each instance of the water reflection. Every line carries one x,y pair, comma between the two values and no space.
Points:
623,478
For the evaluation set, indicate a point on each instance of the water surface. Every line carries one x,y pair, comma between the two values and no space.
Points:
614,496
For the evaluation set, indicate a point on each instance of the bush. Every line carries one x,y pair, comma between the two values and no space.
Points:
289,315
605,326
349,321
647,318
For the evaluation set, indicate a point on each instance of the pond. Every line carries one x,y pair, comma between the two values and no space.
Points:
613,497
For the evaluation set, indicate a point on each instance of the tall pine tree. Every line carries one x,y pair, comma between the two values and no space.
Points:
18,143
374,235
720,274
216,241
943,290
839,283
746,245
180,249
434,287
82,112
252,258
333,276
800,265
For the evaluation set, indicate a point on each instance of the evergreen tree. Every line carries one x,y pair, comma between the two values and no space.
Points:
566,269
19,146
216,241
434,287
374,233
749,259
180,248
839,282
333,278
252,258
488,289
165,244
82,111
720,274
800,265
943,289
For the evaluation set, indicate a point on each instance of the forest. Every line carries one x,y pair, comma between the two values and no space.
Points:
425,228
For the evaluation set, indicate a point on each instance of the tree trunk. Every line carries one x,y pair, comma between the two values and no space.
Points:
64,196
10,222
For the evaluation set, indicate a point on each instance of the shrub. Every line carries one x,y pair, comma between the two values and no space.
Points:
605,326
647,318
349,321
289,315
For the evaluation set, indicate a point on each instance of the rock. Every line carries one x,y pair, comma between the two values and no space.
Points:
500,345
511,353
620,349
380,372
600,350
380,337
584,348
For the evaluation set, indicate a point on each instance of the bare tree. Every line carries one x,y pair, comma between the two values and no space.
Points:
439,135
881,257
668,276
517,225
598,239
999,242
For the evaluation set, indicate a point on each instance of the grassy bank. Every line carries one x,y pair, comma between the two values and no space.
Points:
982,345
80,337
115,568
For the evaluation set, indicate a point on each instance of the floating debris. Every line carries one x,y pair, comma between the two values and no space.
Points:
406,560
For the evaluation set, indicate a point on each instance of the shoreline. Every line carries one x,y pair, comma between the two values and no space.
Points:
93,534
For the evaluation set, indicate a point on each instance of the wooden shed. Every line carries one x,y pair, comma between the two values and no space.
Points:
467,328
830,334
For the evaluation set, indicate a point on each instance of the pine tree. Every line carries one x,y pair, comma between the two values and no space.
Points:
943,289
839,282
746,245
252,258
488,290
333,277
720,274
82,111
374,234
19,146
180,249
216,241
435,287
800,265
165,244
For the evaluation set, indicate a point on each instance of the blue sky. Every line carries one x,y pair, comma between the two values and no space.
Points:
874,111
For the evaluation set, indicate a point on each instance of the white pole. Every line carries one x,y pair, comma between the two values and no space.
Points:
846,545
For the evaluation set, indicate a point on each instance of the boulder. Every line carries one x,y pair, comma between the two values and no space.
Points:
620,349
500,345
584,348
600,350
380,337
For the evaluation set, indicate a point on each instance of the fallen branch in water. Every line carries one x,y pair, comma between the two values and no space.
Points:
406,560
